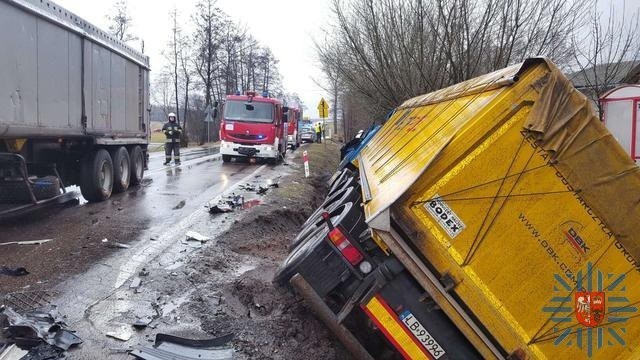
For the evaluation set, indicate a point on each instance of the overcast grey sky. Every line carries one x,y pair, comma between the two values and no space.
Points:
285,26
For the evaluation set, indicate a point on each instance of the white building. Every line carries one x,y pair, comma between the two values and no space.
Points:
621,108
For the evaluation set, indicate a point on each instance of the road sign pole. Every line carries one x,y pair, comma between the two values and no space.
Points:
323,112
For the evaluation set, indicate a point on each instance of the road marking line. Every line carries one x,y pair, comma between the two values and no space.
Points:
141,257
188,162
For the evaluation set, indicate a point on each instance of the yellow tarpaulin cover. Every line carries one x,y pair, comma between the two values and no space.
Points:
510,185
589,157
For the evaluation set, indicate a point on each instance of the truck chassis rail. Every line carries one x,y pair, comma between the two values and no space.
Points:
8,211
322,311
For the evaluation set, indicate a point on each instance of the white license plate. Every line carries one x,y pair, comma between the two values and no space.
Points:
228,126
422,334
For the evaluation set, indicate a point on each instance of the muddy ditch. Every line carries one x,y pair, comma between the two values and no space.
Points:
268,321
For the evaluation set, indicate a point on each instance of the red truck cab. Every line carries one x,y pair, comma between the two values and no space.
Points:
253,126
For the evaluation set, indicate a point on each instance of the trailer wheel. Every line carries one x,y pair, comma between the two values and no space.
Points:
304,257
343,182
345,195
310,227
136,157
344,176
226,158
121,169
96,176
291,263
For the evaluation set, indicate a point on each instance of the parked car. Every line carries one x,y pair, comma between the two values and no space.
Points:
307,134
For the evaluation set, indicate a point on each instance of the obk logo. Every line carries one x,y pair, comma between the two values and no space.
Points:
592,317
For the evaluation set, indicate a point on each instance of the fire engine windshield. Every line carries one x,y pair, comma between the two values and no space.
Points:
248,111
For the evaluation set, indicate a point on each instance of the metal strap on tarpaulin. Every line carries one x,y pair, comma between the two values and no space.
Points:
605,178
391,170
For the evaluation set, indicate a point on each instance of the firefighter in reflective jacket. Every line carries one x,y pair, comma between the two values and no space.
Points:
172,131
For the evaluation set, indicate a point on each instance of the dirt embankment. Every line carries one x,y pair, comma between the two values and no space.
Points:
268,322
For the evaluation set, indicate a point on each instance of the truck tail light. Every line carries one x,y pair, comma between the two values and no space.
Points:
350,252
340,240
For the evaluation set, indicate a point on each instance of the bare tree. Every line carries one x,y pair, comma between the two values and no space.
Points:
206,39
206,42
174,45
186,72
605,54
121,22
218,58
389,50
160,94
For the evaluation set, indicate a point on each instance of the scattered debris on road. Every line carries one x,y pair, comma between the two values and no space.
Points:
251,203
247,187
19,271
29,242
122,333
142,323
135,283
41,332
44,352
11,352
117,245
180,205
194,236
219,209
172,347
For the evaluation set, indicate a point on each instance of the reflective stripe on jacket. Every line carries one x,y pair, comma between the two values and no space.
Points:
172,131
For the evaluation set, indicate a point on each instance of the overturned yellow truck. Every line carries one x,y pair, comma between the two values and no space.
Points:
496,219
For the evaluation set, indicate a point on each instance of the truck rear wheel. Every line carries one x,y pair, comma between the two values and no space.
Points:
136,157
306,259
310,227
121,169
96,176
226,158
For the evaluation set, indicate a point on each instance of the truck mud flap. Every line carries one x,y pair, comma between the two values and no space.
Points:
322,311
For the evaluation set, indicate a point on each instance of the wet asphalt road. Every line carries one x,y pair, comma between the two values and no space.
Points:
167,195
91,282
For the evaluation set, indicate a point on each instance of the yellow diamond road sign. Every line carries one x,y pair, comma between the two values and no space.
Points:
323,109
